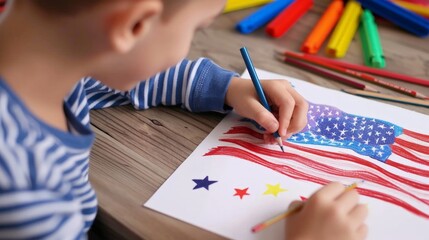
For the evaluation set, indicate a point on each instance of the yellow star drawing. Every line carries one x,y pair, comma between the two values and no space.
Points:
274,189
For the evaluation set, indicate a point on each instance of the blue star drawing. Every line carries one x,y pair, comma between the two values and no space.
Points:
203,183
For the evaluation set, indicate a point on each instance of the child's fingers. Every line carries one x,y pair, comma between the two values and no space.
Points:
348,200
295,204
286,106
293,110
328,193
298,120
261,115
358,214
269,138
299,117
362,231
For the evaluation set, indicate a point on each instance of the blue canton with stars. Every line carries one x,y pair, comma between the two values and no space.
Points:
203,183
330,126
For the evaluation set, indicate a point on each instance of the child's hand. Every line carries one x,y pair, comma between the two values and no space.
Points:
331,213
286,104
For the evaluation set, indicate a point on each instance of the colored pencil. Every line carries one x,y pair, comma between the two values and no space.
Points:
258,87
235,5
329,75
287,18
324,26
2,4
406,100
345,30
271,221
360,75
361,68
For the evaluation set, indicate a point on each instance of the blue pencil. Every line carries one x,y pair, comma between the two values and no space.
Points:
258,87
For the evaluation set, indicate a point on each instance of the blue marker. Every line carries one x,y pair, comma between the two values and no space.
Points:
258,88
400,16
262,16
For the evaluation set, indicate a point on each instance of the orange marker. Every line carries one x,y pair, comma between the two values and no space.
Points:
323,27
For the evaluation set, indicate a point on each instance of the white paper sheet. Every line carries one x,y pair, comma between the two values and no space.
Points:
217,209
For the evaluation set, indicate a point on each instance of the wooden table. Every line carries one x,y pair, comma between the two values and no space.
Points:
136,151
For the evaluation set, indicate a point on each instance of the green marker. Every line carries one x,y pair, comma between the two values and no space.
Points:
373,52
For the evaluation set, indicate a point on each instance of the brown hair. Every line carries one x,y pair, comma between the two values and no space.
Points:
75,6
66,6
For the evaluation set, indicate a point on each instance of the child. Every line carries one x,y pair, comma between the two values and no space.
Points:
46,46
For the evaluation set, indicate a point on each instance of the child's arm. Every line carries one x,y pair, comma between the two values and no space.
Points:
195,85
201,86
329,214
34,202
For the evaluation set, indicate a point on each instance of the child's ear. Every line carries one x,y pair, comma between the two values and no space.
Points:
133,23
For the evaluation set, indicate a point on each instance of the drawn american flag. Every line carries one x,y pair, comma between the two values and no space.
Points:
337,146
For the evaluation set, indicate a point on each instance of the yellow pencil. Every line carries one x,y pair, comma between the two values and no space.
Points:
413,7
271,221
235,5
345,30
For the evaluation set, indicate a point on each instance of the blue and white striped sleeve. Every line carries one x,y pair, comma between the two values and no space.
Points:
35,212
198,86
39,214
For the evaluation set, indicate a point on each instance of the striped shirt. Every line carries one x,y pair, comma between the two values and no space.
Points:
44,187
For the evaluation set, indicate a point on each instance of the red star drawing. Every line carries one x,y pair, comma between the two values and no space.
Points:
241,192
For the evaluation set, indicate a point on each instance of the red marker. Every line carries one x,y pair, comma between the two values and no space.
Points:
285,20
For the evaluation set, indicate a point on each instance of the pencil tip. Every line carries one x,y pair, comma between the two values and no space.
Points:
257,228
371,89
281,147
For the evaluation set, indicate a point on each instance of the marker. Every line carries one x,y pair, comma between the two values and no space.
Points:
372,49
323,27
345,30
400,16
258,88
286,19
235,5
414,7
262,16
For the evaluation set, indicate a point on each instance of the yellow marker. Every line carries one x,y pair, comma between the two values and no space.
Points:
413,7
235,5
345,30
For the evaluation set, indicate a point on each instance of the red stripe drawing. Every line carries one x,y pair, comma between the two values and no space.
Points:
336,146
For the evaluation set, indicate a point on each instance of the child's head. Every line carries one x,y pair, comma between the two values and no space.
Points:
124,40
